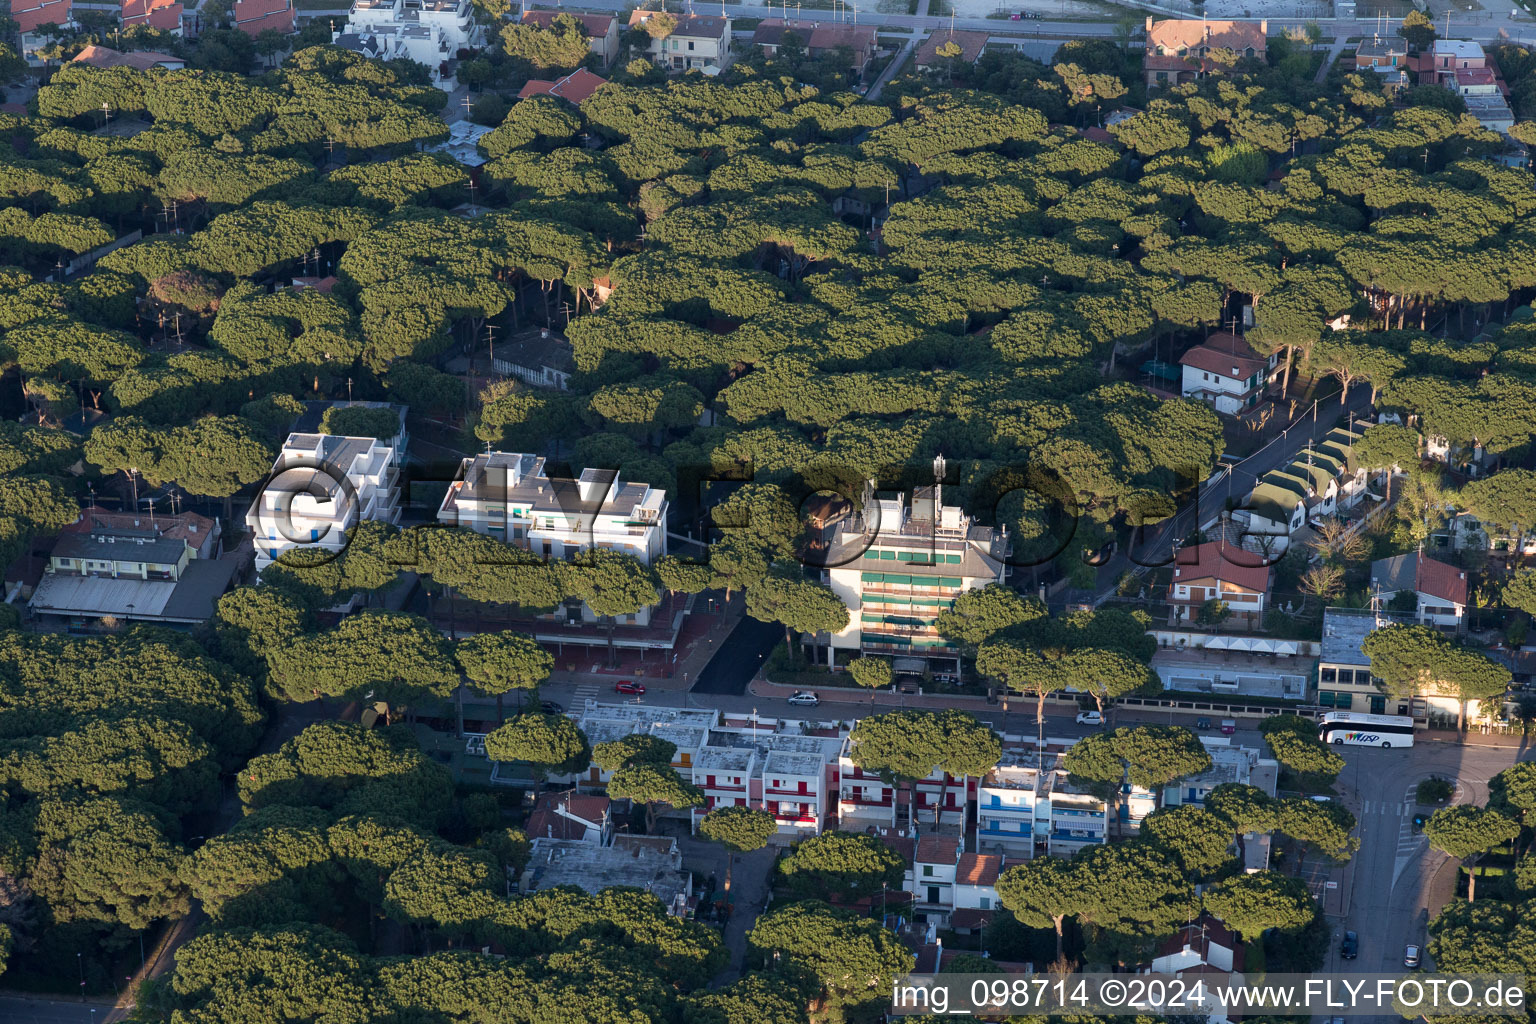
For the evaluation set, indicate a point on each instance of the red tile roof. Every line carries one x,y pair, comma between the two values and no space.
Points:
978,868
184,526
969,918
771,31
577,86
937,849
1200,935
1173,34
574,88
971,44
44,12
1218,560
831,36
1438,579
597,25
697,26
106,57
255,16
591,807
1222,354
161,14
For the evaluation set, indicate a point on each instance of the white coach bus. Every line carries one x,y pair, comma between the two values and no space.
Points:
1366,730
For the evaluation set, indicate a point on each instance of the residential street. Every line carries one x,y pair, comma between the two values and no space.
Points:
1235,482
1397,882
29,1010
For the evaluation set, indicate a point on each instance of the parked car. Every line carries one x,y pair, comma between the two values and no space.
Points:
1202,722
806,698
549,707
1411,956
1323,799
1090,718
1350,947
628,686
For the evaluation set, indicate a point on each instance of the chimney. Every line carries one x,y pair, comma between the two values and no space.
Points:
1149,23
1264,27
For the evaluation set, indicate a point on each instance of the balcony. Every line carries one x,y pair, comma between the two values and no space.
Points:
794,819
849,801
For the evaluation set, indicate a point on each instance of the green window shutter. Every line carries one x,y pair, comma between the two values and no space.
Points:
888,555
872,577
953,559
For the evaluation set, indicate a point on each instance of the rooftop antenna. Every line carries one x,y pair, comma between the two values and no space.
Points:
938,488
349,390
151,503
467,104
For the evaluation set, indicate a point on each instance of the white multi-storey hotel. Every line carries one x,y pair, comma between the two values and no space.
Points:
898,565
321,486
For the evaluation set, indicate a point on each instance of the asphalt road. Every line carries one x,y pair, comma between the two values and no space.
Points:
25,1010
1398,883
1487,26
740,656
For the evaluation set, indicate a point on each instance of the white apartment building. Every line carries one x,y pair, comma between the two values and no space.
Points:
429,32
321,486
509,496
938,803
864,800
1023,812
898,566
782,767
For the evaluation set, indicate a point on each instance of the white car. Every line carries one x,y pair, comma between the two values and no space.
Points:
1090,718
805,698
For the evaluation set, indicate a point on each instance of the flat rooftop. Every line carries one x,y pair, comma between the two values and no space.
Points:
723,759
1345,629
793,764
593,868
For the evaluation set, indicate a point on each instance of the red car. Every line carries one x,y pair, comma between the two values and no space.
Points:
626,686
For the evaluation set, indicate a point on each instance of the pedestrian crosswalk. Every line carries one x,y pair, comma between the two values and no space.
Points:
583,693
1409,842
